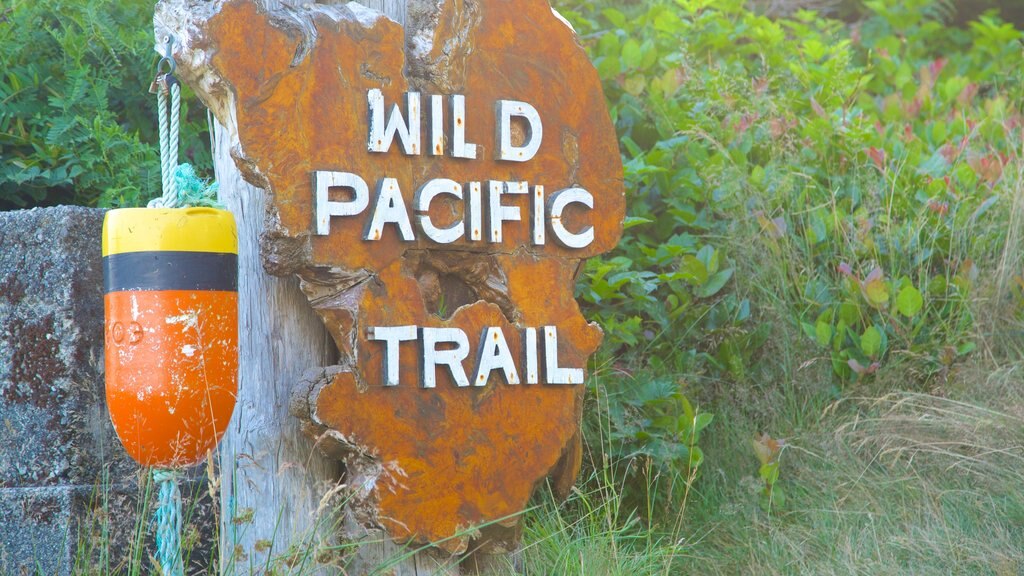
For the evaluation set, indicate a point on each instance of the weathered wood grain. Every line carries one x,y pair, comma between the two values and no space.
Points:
272,480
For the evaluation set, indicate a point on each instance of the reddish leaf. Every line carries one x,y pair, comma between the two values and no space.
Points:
989,168
767,449
780,126
940,208
967,94
861,370
855,366
949,153
746,121
968,270
914,107
877,156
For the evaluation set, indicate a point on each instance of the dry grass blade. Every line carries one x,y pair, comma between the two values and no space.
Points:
939,434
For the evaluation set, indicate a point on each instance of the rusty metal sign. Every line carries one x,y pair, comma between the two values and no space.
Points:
435,188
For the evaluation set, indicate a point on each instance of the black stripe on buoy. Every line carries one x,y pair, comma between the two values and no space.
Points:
167,270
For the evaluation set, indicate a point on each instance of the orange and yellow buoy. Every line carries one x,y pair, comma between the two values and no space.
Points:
171,301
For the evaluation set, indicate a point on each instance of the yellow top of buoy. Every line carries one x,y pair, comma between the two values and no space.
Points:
169,229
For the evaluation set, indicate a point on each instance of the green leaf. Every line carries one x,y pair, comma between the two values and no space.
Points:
635,84
871,342
841,331
769,472
714,284
876,291
984,207
909,301
608,66
632,221
693,270
615,17
810,330
757,175
696,457
688,410
777,497
849,313
701,422
823,333
631,54
666,21
709,256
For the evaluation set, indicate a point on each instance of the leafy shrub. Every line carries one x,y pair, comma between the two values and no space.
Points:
77,123
649,436
852,176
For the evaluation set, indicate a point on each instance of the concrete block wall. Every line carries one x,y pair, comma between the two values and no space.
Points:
69,495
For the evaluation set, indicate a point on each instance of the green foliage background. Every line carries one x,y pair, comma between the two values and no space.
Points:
77,122
837,151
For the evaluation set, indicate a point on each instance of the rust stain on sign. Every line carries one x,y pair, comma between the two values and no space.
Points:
481,271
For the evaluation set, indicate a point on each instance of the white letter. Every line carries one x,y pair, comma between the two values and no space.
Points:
506,151
494,354
499,213
530,351
430,338
437,125
556,205
392,336
474,223
538,216
460,148
381,136
323,181
554,374
421,203
389,209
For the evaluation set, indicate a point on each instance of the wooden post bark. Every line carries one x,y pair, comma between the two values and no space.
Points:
272,478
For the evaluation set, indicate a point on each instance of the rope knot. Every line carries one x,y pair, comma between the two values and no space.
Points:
161,475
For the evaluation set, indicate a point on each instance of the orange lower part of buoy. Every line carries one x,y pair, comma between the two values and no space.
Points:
171,335
172,370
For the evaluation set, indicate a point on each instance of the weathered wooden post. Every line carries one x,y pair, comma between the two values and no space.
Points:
434,180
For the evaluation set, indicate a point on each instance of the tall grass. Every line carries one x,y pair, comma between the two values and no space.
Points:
909,483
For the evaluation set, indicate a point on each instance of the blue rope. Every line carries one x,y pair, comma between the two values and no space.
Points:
189,190
168,523
193,190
